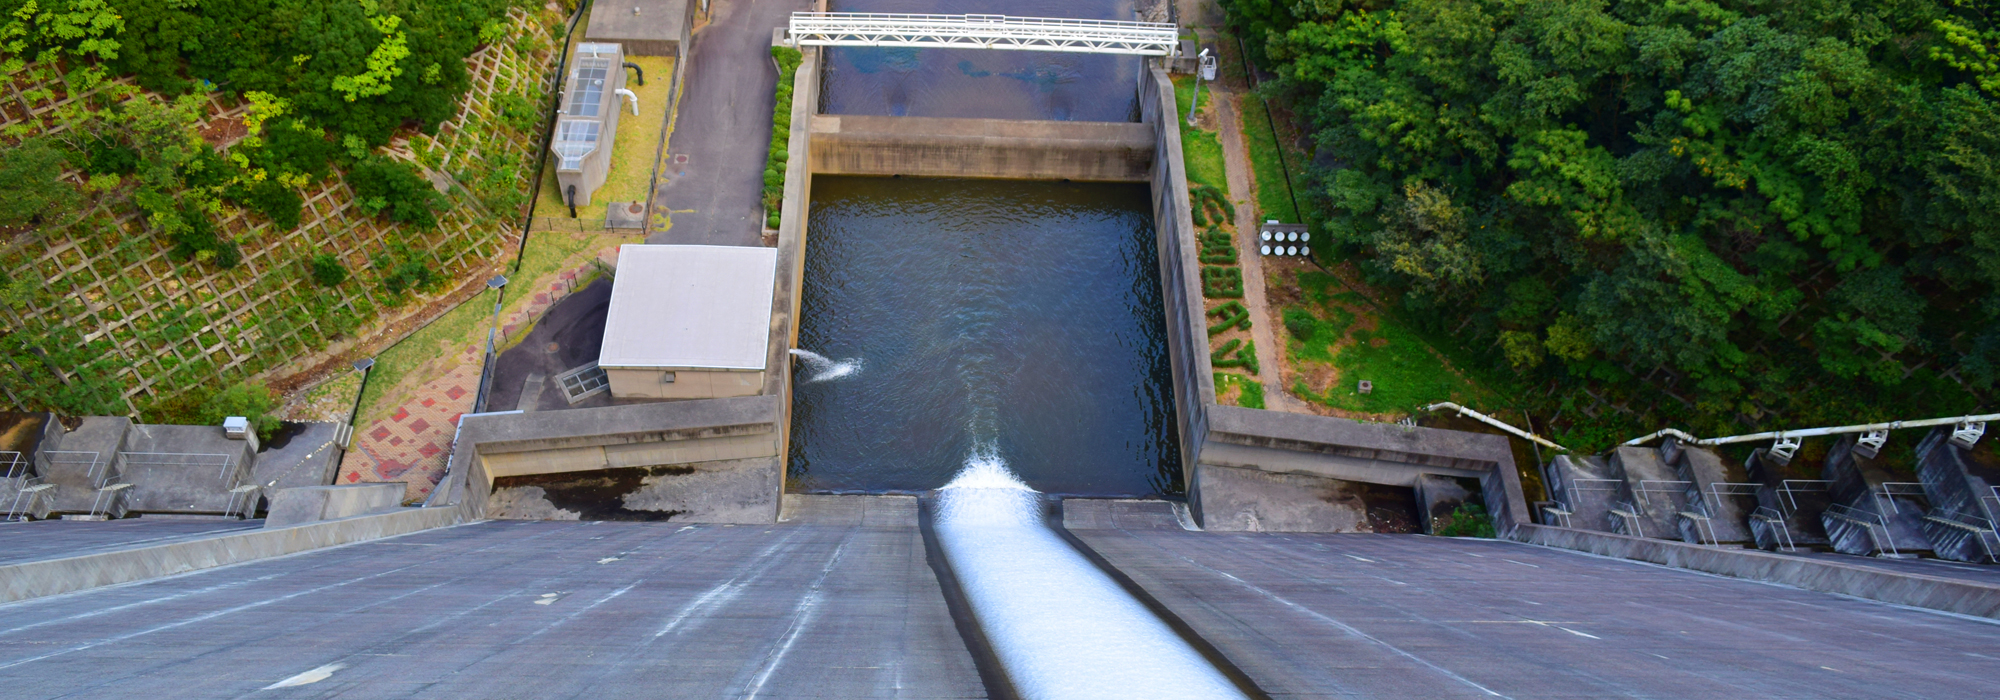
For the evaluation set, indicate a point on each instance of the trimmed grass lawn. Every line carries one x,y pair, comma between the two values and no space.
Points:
1274,200
633,152
1200,148
1406,371
1252,391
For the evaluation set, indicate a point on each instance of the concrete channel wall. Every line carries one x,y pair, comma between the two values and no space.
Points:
1936,593
56,576
1180,275
995,148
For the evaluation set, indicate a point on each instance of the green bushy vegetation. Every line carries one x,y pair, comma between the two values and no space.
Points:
1201,150
1717,214
1469,520
1251,391
781,133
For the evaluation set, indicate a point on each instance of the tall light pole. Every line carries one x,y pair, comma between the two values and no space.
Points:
1205,71
486,373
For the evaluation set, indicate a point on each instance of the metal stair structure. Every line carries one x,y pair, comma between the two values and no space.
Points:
1959,484
1858,520
983,32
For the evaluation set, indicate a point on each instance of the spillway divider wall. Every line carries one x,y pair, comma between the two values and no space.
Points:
1180,275
792,249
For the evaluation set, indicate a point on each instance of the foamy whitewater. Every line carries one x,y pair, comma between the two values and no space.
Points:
821,368
1060,627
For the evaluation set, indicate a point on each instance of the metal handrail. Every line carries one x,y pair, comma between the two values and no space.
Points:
107,495
13,463
1786,490
1869,521
1981,527
1719,489
1773,519
1562,514
16,510
191,459
1644,487
1889,490
1702,526
248,494
1631,513
982,31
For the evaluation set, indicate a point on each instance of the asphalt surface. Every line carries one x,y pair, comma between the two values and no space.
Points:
1413,616
713,180
55,539
301,454
567,336
1977,573
516,610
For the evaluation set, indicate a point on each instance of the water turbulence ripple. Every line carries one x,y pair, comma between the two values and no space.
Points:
1025,315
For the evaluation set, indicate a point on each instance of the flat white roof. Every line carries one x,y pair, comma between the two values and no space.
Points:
692,306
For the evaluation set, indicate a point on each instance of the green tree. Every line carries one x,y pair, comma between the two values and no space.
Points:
31,189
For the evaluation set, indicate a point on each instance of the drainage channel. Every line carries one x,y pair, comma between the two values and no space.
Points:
1045,620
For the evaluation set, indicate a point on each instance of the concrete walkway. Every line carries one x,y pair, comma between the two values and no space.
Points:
1243,191
712,176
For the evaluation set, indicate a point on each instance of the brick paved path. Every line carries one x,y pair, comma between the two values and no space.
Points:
413,444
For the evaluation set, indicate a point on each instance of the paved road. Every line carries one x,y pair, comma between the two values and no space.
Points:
723,128
1412,616
517,610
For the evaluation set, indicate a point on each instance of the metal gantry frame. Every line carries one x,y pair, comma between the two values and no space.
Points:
983,32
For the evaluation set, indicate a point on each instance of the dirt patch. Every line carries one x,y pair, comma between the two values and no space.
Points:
223,131
600,495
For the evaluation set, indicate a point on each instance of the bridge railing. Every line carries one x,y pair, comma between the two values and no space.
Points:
984,32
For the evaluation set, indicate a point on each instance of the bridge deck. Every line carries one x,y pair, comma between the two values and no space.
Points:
983,32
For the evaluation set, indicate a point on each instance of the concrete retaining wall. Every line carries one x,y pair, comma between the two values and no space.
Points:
738,437
1949,595
1180,275
55,576
792,249
996,148
306,504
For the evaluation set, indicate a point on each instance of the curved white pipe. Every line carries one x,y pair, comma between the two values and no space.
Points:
1495,422
631,97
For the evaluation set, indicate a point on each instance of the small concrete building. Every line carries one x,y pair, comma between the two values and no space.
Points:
587,122
689,321
644,27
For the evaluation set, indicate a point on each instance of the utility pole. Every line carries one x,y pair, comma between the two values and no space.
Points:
1206,61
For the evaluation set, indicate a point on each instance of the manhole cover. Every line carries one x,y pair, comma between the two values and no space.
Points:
636,208
554,347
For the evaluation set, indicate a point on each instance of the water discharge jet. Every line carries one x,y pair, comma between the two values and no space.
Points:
1058,625
823,368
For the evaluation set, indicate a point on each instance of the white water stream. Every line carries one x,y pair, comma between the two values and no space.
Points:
822,368
1060,627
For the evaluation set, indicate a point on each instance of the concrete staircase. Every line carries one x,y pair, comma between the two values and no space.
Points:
81,463
1718,497
1784,503
1959,484
1862,517
1653,496
1586,490
108,467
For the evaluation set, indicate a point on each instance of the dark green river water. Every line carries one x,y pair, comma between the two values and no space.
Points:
1022,318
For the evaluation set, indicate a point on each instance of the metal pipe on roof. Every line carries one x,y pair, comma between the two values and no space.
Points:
1815,432
636,69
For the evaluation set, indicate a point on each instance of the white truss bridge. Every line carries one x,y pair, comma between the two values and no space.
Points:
983,32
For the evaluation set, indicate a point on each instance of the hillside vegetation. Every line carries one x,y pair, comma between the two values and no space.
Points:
1710,214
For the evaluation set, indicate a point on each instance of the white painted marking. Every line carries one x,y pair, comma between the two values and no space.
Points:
548,598
1579,634
1830,668
1523,563
801,618
684,529
608,560
314,676
1350,556
1469,554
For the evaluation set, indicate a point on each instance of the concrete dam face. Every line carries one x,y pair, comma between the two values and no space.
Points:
1021,314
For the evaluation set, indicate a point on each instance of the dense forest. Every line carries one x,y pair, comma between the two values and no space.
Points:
1718,214
324,83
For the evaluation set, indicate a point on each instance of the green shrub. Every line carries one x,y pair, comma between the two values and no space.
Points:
327,270
31,190
517,112
405,270
249,399
386,186
781,130
194,238
276,202
1469,520
1301,323
109,157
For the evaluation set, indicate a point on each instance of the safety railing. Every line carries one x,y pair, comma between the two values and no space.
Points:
1719,489
1774,522
25,493
1873,523
1630,513
1557,513
244,496
1658,486
220,462
107,497
12,464
1703,529
1982,529
1789,488
983,32
1887,492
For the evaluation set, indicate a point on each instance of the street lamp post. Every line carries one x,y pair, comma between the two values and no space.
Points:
1206,64
486,372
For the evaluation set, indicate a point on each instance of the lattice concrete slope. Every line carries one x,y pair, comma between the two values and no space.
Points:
177,324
